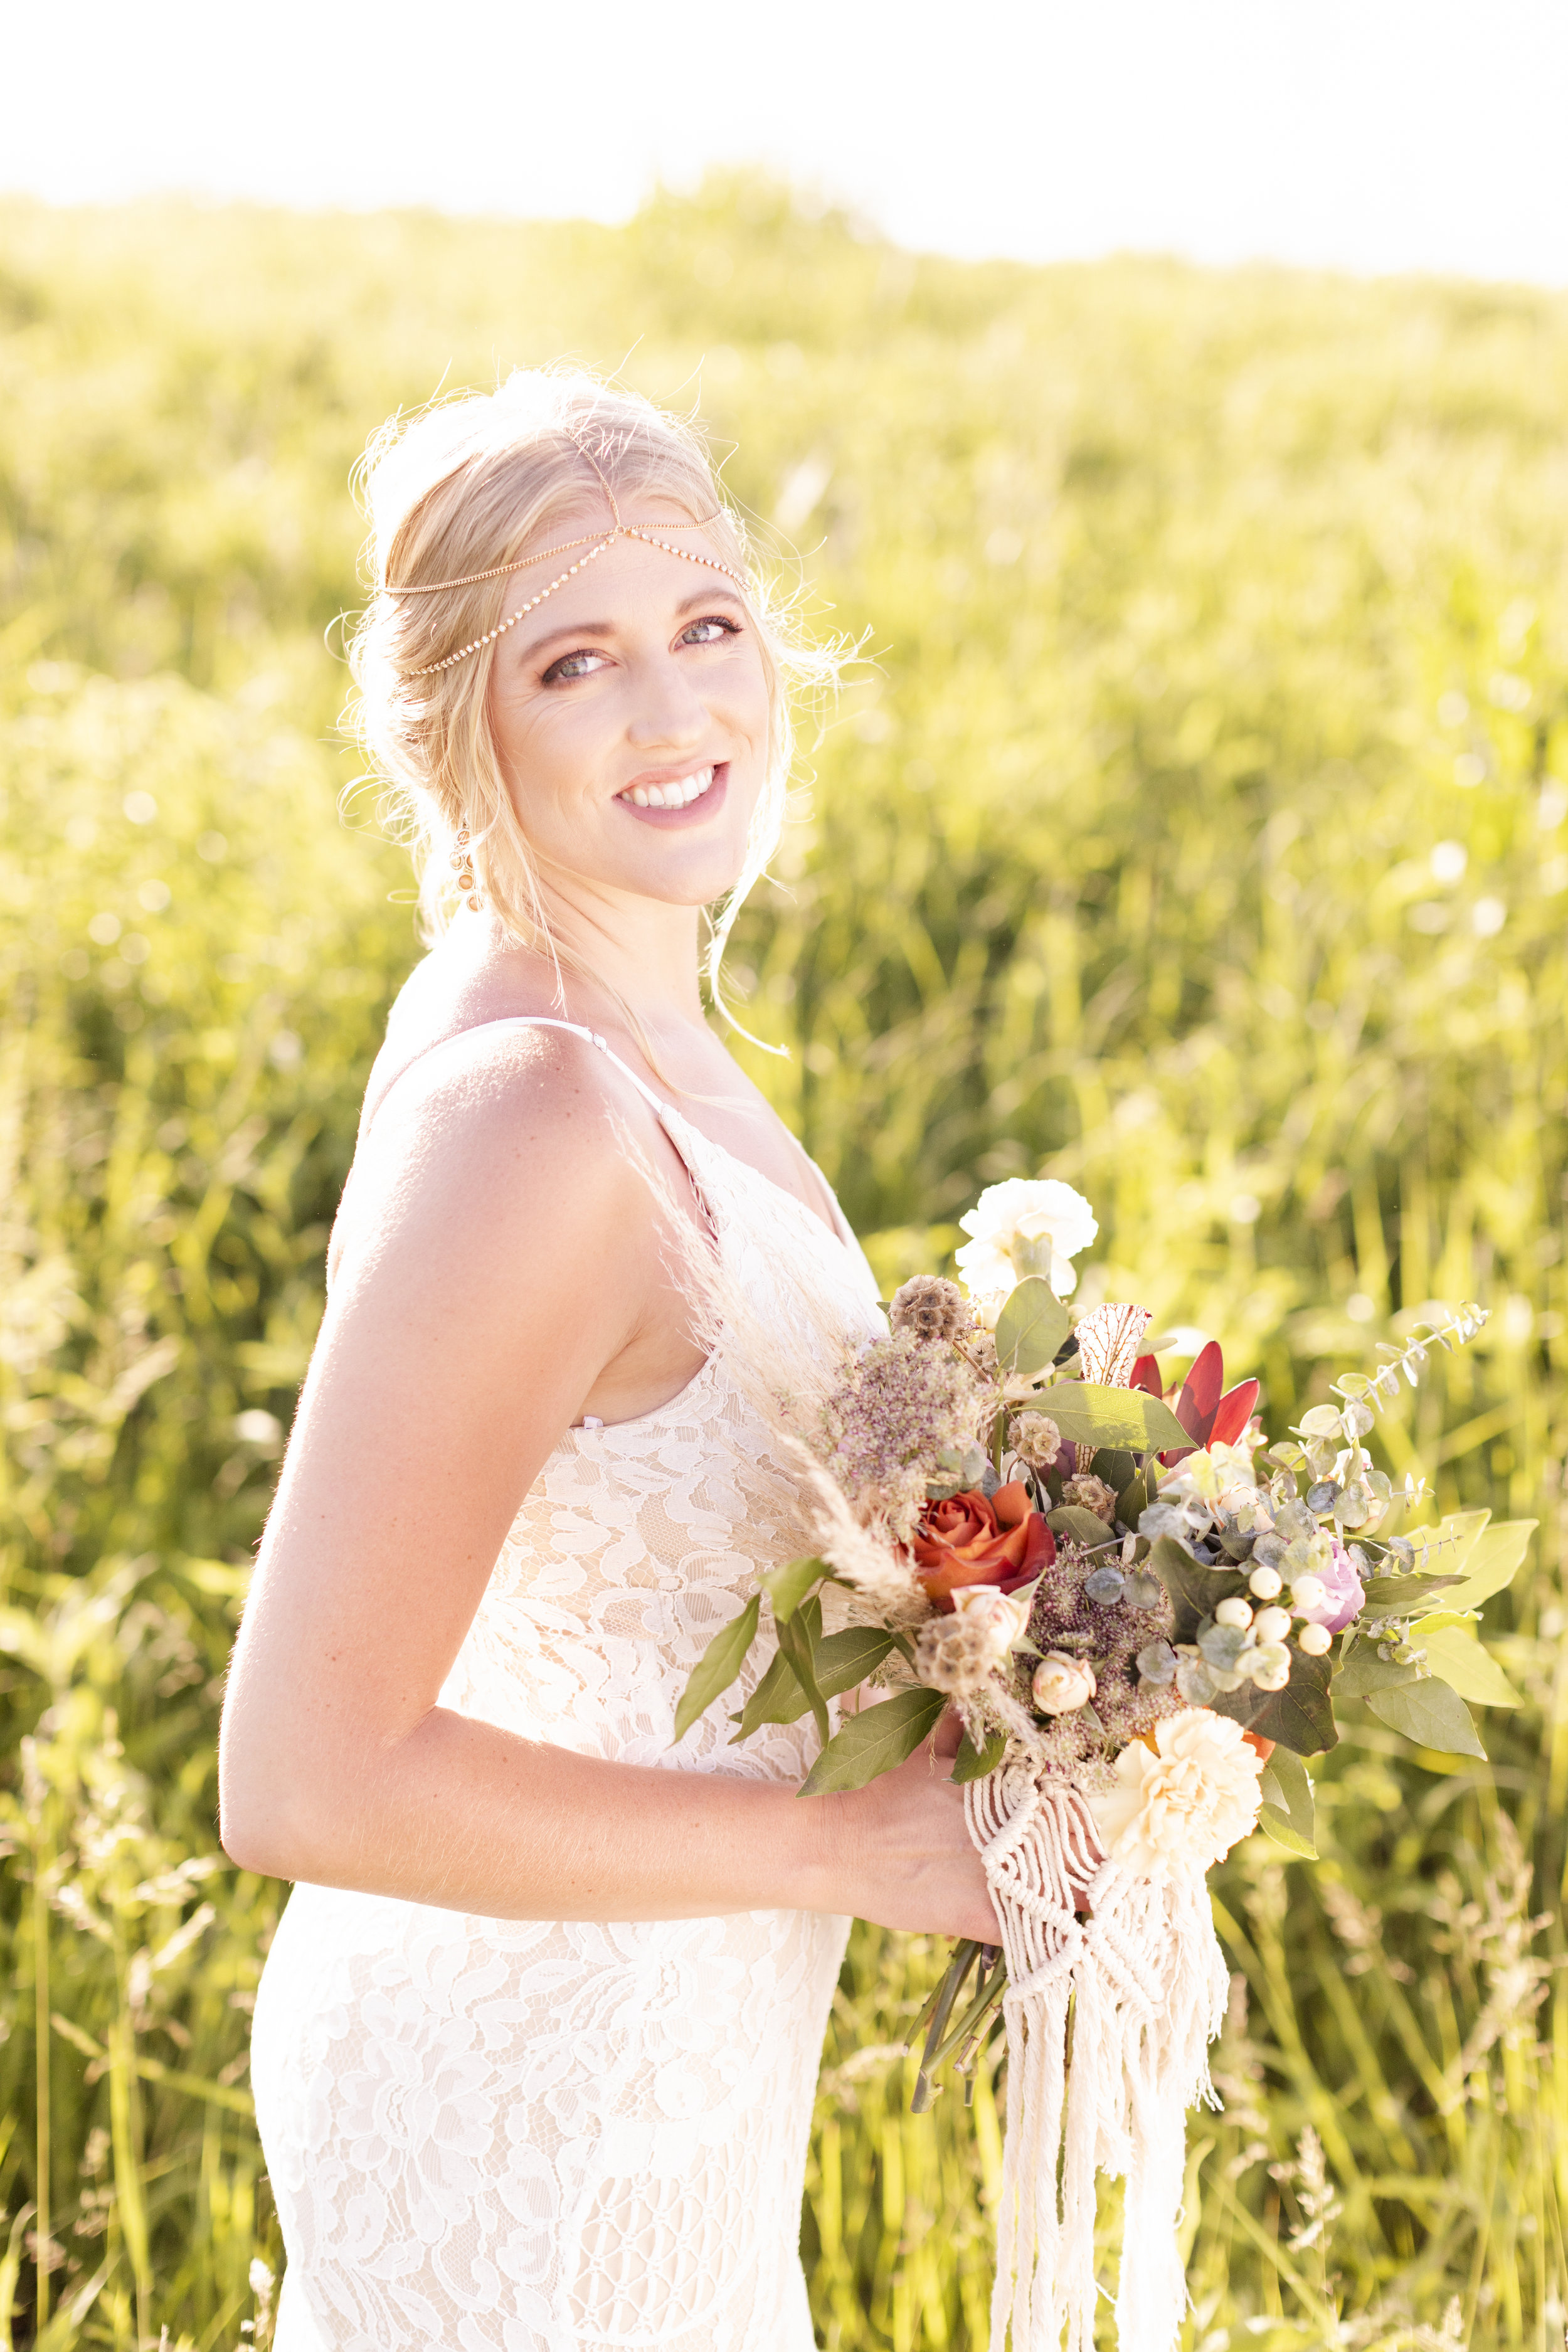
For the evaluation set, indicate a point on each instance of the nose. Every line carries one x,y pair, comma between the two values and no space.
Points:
667,711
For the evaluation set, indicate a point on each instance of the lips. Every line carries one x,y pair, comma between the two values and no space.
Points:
670,799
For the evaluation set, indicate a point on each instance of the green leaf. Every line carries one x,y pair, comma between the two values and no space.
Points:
798,1641
1491,1561
1444,1549
778,1698
846,1659
1431,1714
717,1667
1091,1415
973,1763
1399,1596
874,1741
1287,1787
1078,1524
788,1587
1115,1465
1364,1672
1031,1328
1277,1825
1193,1589
1132,1502
1467,1668
1300,1717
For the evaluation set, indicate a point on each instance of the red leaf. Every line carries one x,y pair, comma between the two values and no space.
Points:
1199,1400
1146,1376
1234,1412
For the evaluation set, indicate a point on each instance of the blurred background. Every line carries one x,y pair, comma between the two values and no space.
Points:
1174,399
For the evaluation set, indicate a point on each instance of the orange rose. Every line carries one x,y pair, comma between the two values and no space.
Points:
976,1538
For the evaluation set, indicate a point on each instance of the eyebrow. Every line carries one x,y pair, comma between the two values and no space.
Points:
607,628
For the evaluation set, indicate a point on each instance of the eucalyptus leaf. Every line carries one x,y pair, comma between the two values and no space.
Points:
1093,1415
973,1763
1278,1826
1431,1714
1131,1503
1030,1329
1194,1591
788,1587
1114,1465
1077,1526
1298,1718
1402,1596
874,1741
1364,1672
1288,1785
1467,1668
717,1667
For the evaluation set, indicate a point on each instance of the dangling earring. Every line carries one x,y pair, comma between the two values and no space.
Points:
462,860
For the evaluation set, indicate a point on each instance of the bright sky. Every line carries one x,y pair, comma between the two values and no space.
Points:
1368,134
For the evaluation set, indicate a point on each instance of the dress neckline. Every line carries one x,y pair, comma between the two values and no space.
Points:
663,1111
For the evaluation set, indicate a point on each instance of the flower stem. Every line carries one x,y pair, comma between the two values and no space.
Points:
963,1958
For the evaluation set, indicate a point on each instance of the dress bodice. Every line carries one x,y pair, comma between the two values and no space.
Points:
639,1539
527,2136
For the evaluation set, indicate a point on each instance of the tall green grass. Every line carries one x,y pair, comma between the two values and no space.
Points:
1195,826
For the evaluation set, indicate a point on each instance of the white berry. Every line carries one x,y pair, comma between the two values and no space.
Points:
1271,1624
1309,1592
1234,1612
1315,1640
1265,1582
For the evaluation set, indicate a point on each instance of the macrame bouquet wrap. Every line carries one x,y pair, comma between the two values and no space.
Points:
1139,1987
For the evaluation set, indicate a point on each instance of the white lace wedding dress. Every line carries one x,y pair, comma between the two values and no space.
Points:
561,2136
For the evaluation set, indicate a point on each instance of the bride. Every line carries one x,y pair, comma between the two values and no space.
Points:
536,2041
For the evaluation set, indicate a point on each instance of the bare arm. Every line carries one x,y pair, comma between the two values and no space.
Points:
503,1275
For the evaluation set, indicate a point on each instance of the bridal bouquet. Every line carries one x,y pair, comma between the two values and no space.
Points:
1144,1614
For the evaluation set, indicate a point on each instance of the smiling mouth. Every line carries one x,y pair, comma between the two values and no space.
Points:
680,793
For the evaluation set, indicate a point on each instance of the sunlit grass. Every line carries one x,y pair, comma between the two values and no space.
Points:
1198,831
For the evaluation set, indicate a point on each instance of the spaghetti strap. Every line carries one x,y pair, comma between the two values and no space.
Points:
654,1102
662,1111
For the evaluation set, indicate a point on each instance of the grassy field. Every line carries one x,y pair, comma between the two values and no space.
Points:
1195,827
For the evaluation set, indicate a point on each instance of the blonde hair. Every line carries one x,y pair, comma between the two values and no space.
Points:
469,485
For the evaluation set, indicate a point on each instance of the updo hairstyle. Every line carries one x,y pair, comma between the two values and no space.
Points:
473,483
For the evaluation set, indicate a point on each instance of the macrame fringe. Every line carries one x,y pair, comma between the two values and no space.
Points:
1140,1986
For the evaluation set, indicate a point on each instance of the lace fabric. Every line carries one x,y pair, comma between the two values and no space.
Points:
562,2136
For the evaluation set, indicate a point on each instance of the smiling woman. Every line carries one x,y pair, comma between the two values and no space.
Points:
470,507
536,2041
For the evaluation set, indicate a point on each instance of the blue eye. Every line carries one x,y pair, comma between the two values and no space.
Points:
573,666
710,631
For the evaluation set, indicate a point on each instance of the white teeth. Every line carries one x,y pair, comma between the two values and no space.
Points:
672,796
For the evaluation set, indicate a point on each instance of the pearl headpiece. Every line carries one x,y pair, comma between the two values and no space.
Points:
619,530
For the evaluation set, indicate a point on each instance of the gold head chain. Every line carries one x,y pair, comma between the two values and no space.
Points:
500,570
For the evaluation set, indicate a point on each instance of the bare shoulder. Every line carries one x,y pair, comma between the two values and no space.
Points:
505,1133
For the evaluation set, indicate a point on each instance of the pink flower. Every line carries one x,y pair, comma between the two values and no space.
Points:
1344,1595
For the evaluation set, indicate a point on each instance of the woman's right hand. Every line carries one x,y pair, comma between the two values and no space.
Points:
900,1849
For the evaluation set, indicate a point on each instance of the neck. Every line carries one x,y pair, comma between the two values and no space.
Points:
639,950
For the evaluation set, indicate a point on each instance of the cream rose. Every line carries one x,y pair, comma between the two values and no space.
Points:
1003,1616
1062,1684
1180,1806
1021,1228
